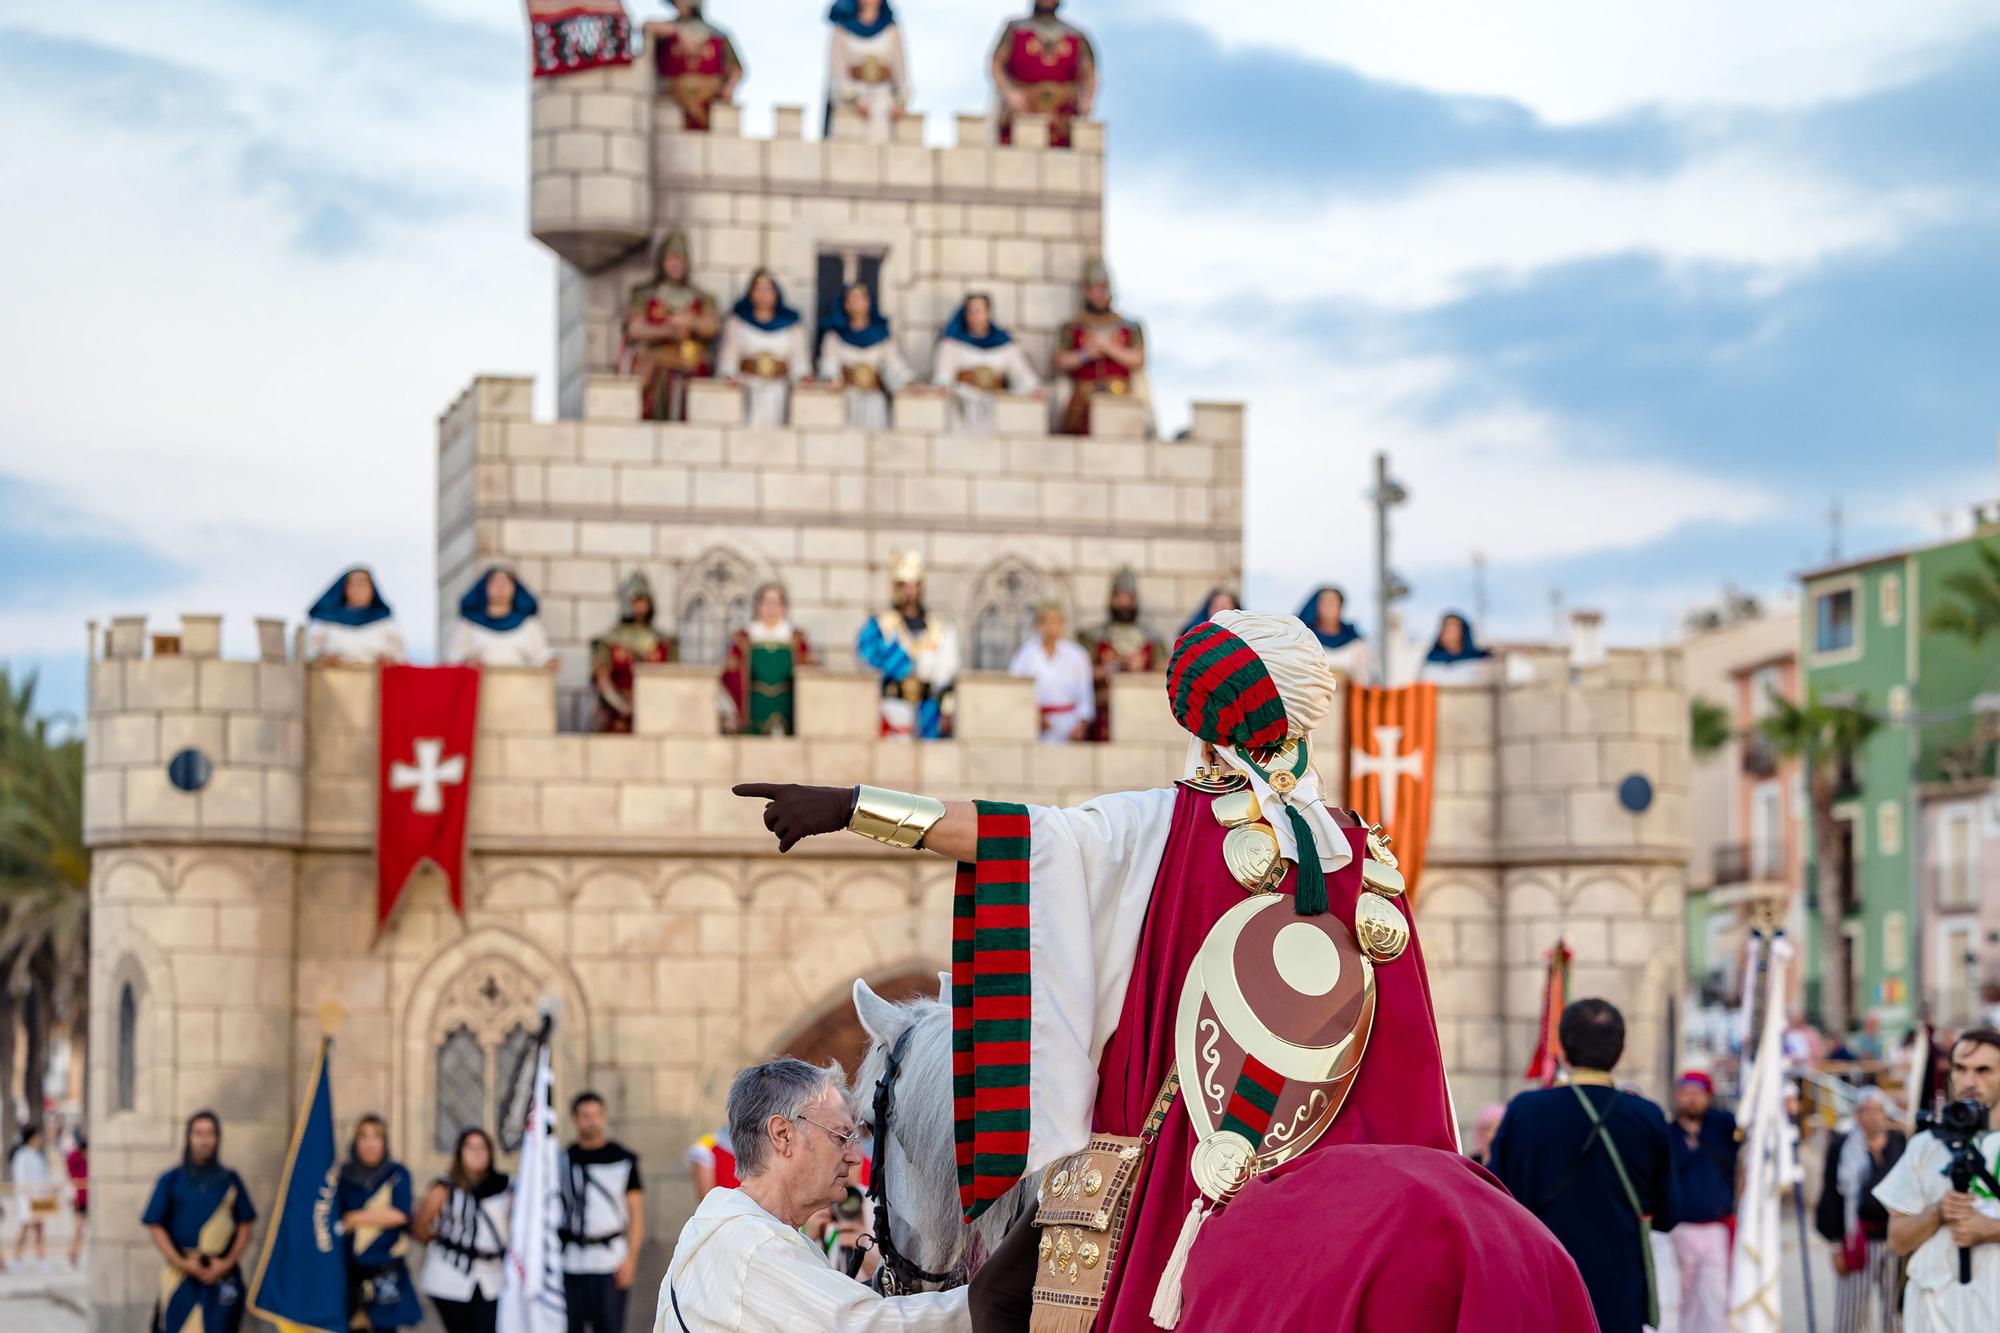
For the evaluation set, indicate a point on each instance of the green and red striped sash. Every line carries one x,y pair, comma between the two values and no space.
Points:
990,1008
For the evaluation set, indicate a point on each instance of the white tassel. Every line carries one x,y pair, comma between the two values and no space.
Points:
1167,1296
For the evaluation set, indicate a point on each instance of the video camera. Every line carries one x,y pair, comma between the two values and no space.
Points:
1958,1125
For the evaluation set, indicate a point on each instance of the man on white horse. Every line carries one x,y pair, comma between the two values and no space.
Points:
1162,998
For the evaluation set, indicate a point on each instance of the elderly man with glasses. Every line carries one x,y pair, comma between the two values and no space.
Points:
741,1262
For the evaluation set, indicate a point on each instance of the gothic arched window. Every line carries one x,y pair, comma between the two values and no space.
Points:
125,1092
484,1039
717,592
1003,612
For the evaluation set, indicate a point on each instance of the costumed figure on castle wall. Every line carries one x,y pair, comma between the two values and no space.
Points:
670,331
977,359
1219,599
764,349
1200,1015
350,623
760,675
1455,657
1325,613
1099,351
1045,66
696,62
1121,643
866,66
1065,694
199,1218
616,654
858,352
499,624
916,655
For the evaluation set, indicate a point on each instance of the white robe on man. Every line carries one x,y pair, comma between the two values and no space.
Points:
971,404
783,351
738,1269
1935,1301
867,405
1065,689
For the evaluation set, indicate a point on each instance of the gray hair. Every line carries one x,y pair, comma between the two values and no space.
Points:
1871,1096
783,1087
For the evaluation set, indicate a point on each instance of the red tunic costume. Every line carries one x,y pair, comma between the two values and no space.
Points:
1046,59
694,68
1100,374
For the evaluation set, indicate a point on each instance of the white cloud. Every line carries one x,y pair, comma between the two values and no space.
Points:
1577,60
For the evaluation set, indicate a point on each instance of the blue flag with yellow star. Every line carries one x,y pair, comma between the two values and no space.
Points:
301,1283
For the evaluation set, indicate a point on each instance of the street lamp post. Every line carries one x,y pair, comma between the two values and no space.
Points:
1389,588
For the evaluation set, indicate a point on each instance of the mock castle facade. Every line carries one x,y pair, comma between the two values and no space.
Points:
616,872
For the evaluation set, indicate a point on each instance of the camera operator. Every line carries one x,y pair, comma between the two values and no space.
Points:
1930,1222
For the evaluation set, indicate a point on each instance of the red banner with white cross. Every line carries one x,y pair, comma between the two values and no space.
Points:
1391,755
424,793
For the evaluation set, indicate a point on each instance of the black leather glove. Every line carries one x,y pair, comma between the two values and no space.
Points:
796,813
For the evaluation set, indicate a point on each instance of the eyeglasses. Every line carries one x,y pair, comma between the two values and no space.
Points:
853,1139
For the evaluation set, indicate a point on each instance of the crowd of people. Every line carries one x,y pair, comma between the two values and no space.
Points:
916,654
35,1200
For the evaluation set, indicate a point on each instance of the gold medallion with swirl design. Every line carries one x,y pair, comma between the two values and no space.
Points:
1251,853
1220,1164
1379,928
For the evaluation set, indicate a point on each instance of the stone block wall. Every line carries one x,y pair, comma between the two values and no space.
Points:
577,504
611,169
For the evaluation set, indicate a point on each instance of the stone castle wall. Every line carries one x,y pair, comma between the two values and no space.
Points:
617,874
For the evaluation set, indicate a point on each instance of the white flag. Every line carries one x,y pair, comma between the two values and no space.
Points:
531,1292
1771,1145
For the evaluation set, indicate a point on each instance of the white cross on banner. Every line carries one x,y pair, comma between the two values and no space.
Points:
423,801
1392,752
1388,765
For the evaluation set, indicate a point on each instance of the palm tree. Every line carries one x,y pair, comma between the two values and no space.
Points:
1824,738
1709,727
44,892
1972,610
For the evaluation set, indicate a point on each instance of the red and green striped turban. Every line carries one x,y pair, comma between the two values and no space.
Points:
1220,689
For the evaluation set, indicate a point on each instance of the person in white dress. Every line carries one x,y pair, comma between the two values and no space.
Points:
1325,614
866,68
764,349
35,1187
463,1224
499,625
350,623
1455,657
858,352
977,359
742,1265
1065,688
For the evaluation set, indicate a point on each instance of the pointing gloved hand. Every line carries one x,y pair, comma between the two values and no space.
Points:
795,813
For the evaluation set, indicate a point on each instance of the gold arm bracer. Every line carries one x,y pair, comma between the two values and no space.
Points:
894,817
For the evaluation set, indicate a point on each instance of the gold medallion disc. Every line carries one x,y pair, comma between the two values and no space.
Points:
1251,853
1236,807
1283,782
1221,1164
1379,928
1384,879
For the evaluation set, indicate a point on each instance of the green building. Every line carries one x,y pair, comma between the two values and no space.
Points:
1867,641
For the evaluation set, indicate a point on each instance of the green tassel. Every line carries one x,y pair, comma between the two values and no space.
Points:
1309,897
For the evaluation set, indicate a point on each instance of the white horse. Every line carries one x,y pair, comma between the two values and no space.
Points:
920,1154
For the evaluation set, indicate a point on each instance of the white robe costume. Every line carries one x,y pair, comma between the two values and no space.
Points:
871,75
971,403
377,641
1934,1302
1465,671
738,1269
768,361
526,645
1065,689
842,362
1350,660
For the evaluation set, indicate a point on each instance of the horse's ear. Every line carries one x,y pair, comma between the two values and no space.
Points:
879,1019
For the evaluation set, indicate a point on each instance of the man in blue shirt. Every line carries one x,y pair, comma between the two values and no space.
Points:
1705,1143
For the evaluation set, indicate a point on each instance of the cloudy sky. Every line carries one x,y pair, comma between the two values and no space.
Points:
1632,298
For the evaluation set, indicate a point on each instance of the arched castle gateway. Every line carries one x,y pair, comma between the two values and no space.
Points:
616,872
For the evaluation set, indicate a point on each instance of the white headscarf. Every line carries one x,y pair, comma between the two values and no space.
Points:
1855,1162
1296,663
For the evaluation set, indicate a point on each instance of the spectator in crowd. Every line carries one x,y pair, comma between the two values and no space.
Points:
373,1197
1325,614
1854,1220
199,1218
915,655
34,1188
1594,1163
1455,657
760,674
977,359
1065,691
712,1163
858,352
1704,1143
695,62
867,70
616,654
350,623
463,1224
77,1165
1930,1222
499,624
604,1221
1484,1127
1803,1044
1219,599
764,349
741,1264
1121,643
670,330
1867,1039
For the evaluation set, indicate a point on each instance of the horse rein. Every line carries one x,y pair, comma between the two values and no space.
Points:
900,1274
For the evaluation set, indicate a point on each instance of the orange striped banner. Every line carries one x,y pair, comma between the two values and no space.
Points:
1391,755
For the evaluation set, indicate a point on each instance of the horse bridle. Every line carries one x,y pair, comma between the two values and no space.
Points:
900,1273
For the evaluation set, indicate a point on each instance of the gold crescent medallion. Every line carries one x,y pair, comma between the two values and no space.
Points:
1220,1164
